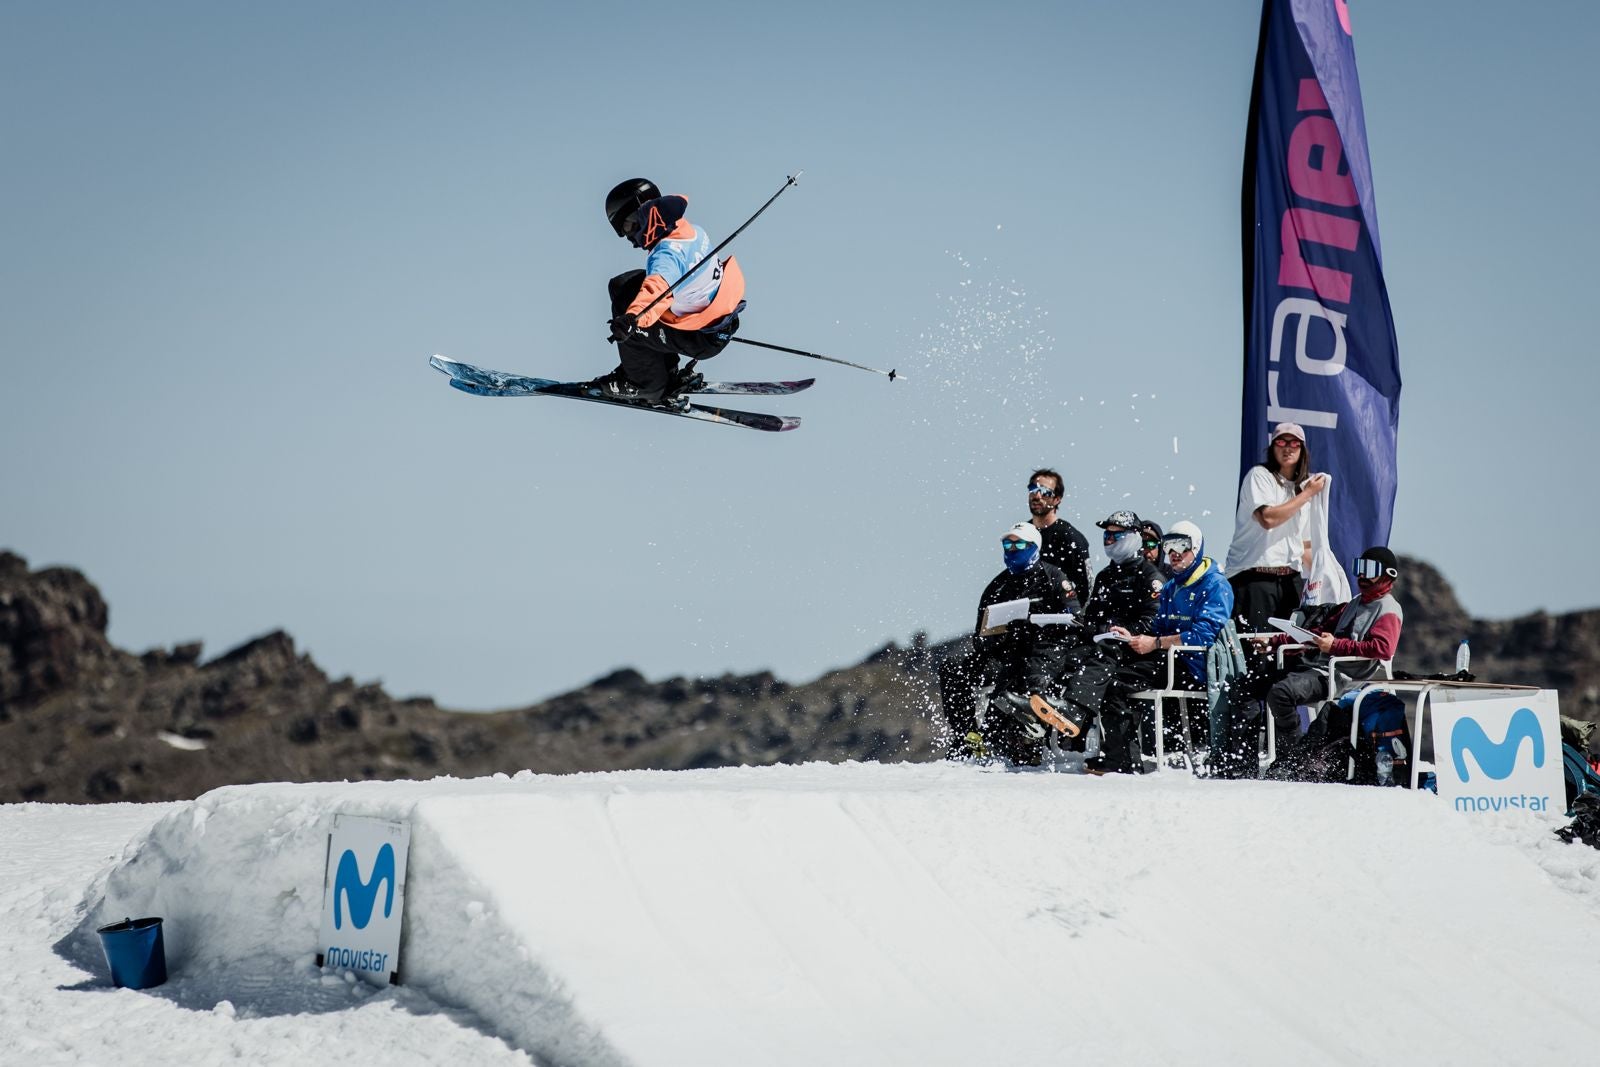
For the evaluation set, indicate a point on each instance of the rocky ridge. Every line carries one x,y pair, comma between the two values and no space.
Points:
83,721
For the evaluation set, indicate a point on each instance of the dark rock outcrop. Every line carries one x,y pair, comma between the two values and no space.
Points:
83,721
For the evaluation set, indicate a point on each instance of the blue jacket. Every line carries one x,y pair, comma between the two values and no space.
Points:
1195,607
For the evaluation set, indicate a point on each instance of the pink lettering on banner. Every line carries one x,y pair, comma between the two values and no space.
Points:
1343,8
1315,227
1322,183
1310,97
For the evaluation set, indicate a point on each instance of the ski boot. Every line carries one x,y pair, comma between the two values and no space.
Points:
1015,707
684,383
615,386
687,380
971,746
671,401
1069,719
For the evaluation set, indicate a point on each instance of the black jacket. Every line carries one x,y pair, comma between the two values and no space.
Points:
1125,594
1068,549
1037,650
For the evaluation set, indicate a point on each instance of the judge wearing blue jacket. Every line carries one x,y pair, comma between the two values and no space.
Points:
1194,606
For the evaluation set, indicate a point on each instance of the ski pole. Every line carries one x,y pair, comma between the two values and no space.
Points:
890,374
711,257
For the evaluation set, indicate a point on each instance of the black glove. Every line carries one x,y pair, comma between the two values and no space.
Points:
622,326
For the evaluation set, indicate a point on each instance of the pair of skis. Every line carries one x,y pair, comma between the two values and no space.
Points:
482,382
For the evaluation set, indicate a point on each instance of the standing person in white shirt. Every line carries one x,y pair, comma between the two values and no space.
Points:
1271,548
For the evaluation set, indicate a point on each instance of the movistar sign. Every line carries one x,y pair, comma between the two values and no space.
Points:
365,866
1491,749
1496,759
362,894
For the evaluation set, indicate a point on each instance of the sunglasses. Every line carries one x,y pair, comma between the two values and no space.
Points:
1177,546
1116,535
1042,490
1015,546
1151,544
1288,442
1371,568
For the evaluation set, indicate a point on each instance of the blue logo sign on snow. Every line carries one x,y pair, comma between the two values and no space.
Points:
362,895
1496,759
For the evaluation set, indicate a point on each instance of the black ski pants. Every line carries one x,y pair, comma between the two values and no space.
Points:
966,682
1288,693
649,357
1103,682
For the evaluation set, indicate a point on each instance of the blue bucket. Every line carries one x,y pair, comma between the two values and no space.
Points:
135,952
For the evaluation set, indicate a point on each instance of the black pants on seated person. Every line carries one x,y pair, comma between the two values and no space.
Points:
1103,680
967,681
1288,693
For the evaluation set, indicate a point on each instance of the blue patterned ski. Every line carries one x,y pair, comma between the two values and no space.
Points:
482,382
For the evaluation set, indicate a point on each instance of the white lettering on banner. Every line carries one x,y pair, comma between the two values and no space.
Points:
1308,310
1334,364
1322,420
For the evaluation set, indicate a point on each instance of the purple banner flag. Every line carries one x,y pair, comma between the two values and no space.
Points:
1319,339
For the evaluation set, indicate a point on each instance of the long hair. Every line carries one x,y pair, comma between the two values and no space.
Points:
1302,469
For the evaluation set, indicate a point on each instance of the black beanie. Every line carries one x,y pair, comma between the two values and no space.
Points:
1382,555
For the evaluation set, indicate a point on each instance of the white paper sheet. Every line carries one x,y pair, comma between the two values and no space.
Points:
995,616
1304,636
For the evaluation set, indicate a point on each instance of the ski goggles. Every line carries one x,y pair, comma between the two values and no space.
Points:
1042,490
1373,569
1014,545
1177,546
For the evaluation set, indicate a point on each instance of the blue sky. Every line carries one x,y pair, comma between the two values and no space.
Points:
234,234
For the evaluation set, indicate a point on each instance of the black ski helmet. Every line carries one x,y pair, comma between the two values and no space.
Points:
627,198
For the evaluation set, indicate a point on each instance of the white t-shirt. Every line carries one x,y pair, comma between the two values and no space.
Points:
1255,546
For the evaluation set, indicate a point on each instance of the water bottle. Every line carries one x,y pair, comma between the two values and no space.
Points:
1463,656
1385,764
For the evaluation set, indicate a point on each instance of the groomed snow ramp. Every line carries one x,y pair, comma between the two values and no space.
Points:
915,914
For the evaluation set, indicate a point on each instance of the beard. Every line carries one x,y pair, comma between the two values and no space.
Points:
1037,506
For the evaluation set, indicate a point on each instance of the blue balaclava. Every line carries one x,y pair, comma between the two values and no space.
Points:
1020,559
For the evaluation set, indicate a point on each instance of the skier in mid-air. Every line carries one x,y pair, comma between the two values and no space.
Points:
697,320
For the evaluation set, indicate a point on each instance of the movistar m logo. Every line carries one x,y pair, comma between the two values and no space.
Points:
1497,760
362,895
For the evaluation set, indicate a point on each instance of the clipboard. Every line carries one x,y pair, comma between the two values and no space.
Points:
995,616
1299,633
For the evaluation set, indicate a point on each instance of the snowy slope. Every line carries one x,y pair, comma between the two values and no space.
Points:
856,914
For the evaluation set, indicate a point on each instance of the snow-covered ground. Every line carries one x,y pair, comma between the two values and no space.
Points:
855,914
